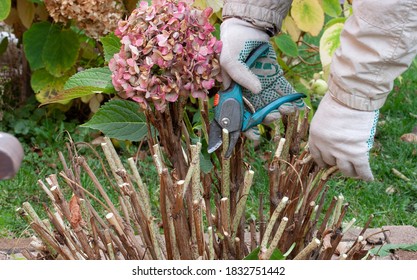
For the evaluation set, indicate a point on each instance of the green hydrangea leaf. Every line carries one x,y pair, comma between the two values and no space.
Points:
120,119
92,77
34,40
385,250
111,45
286,45
60,51
276,255
4,43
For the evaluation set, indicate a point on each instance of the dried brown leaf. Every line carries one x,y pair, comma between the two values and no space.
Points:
327,241
75,211
409,137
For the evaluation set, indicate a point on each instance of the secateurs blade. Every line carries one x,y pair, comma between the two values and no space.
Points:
231,114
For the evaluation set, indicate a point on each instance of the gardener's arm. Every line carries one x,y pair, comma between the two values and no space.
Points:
246,21
265,14
378,43
246,25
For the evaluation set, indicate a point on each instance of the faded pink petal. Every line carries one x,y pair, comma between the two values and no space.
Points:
199,94
162,39
208,84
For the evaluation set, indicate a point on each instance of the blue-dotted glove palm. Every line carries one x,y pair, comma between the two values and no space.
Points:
264,82
342,137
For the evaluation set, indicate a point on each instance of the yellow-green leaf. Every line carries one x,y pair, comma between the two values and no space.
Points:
46,86
329,42
332,7
65,96
5,6
289,26
308,15
216,5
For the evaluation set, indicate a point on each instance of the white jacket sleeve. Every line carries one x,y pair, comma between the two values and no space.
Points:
378,43
266,14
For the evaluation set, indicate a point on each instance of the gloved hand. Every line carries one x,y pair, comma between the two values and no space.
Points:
264,82
11,155
343,136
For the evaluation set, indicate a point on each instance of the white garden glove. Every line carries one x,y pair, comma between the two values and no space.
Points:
11,155
264,82
343,136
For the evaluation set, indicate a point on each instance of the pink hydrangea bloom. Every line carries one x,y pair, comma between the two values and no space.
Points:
167,50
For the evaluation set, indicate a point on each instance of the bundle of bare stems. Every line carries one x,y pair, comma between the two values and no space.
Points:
200,216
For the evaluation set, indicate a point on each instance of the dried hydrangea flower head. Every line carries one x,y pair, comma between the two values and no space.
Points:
97,18
167,50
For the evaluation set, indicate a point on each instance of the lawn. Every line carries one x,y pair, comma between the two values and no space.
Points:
391,199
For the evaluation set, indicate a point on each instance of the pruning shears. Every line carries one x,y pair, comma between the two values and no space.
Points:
230,112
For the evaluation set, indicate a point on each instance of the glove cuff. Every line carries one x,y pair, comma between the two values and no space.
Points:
355,101
265,14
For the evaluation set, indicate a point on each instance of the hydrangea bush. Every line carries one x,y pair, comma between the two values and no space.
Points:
168,51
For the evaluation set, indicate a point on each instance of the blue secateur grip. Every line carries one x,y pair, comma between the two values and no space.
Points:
230,112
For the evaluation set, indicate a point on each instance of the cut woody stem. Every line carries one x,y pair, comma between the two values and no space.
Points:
297,190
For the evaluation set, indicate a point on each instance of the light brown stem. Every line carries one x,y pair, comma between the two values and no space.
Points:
304,254
61,202
182,232
266,253
143,191
113,167
169,233
253,242
116,158
100,188
272,221
198,222
225,179
211,243
240,208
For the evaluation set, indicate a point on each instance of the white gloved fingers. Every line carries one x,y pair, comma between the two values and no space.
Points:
316,154
226,80
346,168
343,136
235,35
328,158
299,104
360,170
253,133
240,73
363,171
271,117
286,108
